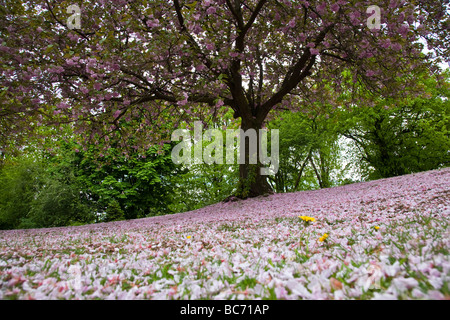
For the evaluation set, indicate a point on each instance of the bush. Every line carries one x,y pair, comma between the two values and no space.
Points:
19,183
59,204
114,212
35,195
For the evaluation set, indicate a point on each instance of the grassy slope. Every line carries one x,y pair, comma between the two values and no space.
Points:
386,239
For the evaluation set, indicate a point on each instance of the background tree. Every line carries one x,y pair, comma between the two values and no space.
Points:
138,184
114,212
396,138
309,149
151,64
201,185
19,183
66,186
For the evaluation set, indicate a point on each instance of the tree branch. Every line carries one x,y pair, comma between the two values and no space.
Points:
253,17
191,41
300,70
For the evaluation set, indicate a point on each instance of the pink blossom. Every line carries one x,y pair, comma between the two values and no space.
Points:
386,43
211,10
321,8
152,23
335,7
396,46
58,69
281,292
219,103
255,239
200,67
117,114
63,105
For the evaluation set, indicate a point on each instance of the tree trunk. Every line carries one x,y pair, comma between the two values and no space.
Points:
297,182
251,182
317,173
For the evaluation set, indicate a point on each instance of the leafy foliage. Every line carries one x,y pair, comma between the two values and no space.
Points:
202,185
19,182
309,150
396,138
140,184
66,187
114,212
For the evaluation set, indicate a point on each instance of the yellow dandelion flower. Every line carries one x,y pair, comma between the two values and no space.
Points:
377,227
188,237
307,219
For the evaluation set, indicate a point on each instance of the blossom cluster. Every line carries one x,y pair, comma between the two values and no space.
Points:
251,249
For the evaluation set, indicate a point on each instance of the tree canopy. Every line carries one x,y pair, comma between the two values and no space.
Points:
137,69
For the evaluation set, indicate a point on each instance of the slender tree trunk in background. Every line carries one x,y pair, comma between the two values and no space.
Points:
297,181
324,171
317,172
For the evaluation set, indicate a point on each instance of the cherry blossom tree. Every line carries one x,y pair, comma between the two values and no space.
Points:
135,70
